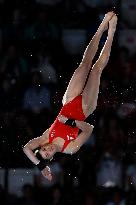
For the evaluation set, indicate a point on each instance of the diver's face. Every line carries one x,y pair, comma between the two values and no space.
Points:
47,151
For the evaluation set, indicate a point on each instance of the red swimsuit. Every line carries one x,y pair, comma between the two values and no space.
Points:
72,109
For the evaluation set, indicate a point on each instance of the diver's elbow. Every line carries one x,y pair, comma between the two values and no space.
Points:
25,148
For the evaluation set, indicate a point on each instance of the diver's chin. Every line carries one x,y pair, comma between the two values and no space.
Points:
53,147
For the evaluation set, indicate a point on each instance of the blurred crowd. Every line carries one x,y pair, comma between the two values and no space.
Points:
41,44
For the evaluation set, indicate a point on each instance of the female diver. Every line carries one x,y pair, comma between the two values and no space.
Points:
79,101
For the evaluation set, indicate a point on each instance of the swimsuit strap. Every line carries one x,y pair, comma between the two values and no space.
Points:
65,145
67,141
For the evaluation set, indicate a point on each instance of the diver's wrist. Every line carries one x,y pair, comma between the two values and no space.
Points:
71,122
62,119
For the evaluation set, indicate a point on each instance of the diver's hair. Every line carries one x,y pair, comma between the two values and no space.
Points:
43,162
37,154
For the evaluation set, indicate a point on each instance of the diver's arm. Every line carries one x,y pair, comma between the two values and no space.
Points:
28,150
32,145
86,129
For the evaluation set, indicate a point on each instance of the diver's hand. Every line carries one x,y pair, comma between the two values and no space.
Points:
46,172
62,118
66,121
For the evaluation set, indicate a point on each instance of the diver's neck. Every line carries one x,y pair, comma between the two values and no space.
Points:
58,148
